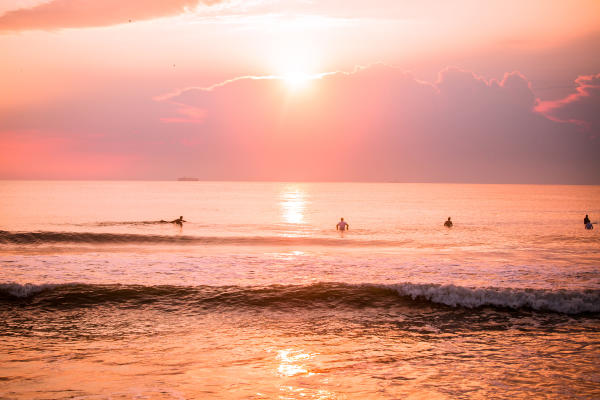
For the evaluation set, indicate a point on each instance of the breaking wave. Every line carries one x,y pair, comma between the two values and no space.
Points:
307,296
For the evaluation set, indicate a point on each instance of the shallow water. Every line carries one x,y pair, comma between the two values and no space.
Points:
257,295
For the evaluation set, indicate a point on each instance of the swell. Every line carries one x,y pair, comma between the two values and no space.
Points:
120,223
303,296
40,238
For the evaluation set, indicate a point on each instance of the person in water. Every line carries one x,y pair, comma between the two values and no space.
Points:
587,223
448,223
179,221
342,225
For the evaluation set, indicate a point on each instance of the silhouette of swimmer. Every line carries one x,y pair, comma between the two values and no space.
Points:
586,220
342,225
448,223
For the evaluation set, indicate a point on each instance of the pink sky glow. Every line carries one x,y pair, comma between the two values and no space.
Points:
294,90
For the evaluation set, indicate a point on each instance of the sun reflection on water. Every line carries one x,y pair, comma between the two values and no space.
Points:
290,362
300,379
293,204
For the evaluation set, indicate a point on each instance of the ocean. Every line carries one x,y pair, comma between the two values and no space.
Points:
257,296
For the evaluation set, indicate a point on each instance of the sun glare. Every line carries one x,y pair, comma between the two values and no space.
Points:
296,80
294,63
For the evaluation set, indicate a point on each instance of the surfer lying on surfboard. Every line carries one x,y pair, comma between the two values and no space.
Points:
179,221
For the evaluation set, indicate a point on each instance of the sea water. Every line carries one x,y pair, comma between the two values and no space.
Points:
258,296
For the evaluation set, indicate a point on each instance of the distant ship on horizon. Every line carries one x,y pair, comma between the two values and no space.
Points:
186,179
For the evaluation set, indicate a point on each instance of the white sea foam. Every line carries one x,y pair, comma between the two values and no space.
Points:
563,301
25,290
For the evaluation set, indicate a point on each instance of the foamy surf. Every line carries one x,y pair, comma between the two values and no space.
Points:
307,296
24,290
562,301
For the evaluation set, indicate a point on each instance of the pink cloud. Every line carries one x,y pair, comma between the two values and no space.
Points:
56,14
376,123
380,123
581,108
187,114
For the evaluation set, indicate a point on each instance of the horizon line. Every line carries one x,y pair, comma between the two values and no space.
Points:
296,181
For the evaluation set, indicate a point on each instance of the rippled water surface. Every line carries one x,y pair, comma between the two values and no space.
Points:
257,295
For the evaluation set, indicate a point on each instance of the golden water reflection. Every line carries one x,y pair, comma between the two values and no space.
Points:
295,364
293,204
291,362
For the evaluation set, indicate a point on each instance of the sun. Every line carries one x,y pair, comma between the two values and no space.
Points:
294,63
296,79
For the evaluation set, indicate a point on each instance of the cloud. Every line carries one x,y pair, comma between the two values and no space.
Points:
57,14
380,123
187,114
581,108
376,123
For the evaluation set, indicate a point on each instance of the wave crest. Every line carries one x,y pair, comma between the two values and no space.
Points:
41,238
304,296
562,301
24,290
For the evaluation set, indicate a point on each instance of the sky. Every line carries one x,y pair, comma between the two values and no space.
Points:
301,90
